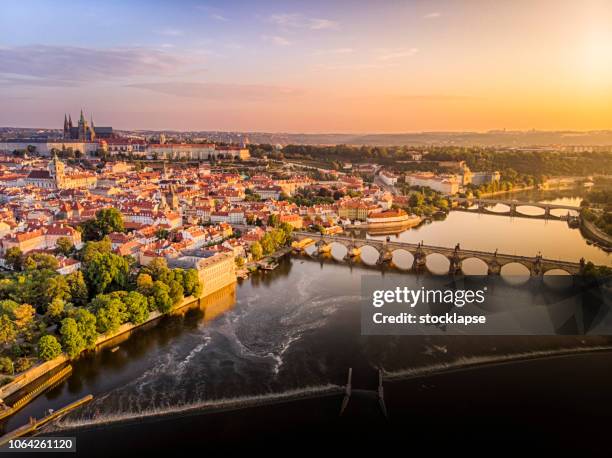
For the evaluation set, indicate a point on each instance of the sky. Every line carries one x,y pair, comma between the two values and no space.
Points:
308,66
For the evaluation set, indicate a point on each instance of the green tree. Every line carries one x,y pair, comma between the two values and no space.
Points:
416,199
137,307
72,341
8,331
273,220
107,220
77,287
144,284
106,272
48,348
86,324
56,308
175,292
64,246
110,312
14,258
41,261
191,283
256,251
161,296
94,248
6,365
55,287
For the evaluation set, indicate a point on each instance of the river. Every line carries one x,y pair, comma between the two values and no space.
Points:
296,330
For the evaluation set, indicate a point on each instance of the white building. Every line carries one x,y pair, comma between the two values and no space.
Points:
445,184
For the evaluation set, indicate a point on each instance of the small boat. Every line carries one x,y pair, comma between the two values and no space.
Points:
114,349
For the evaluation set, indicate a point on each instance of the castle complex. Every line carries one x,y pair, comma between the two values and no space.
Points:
84,131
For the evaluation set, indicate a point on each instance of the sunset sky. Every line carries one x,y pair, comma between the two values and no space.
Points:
309,66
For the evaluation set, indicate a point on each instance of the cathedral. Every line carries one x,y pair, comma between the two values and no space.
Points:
84,131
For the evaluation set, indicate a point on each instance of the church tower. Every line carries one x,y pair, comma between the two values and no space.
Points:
56,171
66,130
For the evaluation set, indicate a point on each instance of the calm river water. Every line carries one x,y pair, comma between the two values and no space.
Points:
296,329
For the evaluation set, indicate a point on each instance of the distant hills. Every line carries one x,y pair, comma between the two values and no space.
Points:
529,138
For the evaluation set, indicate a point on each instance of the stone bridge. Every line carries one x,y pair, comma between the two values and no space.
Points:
536,265
512,205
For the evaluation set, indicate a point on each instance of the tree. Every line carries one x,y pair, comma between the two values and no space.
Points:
14,258
137,307
23,315
86,324
273,220
41,261
191,283
55,287
110,312
175,291
144,284
48,348
107,220
56,308
161,296
72,341
78,288
158,270
8,332
256,251
94,248
64,246
106,272
416,199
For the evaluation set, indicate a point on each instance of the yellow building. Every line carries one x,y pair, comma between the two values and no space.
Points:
355,209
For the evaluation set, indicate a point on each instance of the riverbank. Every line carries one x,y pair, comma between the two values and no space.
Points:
37,371
592,232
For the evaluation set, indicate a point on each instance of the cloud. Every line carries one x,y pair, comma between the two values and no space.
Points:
433,15
220,91
219,17
294,20
68,65
320,24
391,54
334,51
277,40
170,32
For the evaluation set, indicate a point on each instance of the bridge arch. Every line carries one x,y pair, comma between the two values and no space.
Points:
437,263
474,266
498,208
369,255
338,251
515,273
558,278
530,210
402,259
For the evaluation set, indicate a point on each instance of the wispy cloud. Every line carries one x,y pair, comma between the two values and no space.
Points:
171,32
295,20
320,24
392,54
220,91
68,65
219,17
277,40
333,51
432,15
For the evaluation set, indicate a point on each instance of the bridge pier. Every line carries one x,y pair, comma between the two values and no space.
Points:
494,268
455,266
420,260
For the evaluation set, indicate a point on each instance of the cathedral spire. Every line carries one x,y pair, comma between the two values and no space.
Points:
82,118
